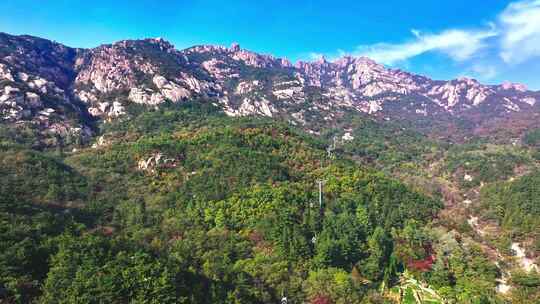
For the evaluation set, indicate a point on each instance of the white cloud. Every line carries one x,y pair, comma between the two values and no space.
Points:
509,44
460,45
514,36
484,72
520,24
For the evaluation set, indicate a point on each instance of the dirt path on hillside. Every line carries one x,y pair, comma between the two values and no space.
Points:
459,207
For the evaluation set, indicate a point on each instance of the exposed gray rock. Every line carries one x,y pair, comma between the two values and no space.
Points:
155,161
5,73
171,90
235,47
33,99
23,76
145,96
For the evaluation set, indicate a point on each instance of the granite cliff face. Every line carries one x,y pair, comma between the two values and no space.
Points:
35,88
60,90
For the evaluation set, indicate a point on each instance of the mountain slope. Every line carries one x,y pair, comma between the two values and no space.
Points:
198,209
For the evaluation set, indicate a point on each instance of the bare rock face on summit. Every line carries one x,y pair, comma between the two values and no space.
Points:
60,90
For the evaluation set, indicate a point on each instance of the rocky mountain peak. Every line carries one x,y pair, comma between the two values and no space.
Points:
235,52
134,45
321,60
37,56
235,47
513,86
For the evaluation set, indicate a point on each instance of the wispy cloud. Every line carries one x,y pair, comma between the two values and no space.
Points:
484,71
509,44
460,45
520,24
514,35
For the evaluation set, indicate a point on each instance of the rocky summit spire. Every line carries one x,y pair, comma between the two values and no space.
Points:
321,59
235,47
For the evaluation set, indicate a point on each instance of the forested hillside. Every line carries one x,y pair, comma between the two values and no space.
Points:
134,172
184,204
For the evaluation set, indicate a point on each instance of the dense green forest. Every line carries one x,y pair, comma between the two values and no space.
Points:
185,205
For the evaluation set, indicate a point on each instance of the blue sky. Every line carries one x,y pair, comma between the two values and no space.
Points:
491,40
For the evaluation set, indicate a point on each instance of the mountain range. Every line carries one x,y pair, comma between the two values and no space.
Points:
59,90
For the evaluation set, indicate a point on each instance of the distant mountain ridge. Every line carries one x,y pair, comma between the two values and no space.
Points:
58,88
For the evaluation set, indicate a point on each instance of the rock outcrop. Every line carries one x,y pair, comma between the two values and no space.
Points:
154,162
